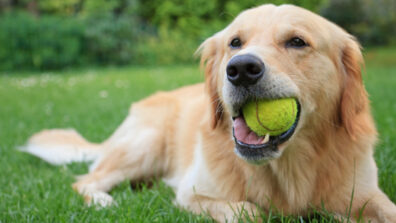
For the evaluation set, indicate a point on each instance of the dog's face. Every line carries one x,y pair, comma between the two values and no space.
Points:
272,52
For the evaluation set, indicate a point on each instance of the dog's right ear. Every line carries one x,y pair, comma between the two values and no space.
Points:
211,53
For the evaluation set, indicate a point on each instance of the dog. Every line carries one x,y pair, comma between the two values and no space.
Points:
196,140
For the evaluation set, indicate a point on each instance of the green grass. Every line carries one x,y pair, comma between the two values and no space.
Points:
95,101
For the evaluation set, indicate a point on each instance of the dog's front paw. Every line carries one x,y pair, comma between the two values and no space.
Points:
99,199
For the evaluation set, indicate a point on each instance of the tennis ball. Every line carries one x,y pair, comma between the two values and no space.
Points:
271,117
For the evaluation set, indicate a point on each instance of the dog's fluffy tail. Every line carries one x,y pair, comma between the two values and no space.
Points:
62,146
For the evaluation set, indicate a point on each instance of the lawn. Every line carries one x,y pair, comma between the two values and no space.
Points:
95,101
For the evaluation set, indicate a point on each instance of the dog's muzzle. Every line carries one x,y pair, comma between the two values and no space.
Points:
249,80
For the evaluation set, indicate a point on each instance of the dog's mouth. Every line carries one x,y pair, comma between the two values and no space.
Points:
254,148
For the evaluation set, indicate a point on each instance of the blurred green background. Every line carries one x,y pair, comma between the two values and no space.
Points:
55,34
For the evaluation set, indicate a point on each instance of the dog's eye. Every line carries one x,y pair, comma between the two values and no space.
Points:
296,42
236,43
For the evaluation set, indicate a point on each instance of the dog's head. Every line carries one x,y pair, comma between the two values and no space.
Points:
272,52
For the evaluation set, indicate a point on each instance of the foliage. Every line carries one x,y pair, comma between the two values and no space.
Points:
372,21
60,7
29,42
52,42
53,34
110,39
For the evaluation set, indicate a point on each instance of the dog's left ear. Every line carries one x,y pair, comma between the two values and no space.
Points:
210,61
354,100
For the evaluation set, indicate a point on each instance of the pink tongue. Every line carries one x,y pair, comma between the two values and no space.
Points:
244,134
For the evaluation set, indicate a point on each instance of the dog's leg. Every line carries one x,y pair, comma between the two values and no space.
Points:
115,167
135,158
221,211
379,209
136,151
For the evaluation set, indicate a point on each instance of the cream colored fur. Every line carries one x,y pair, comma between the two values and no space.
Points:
184,136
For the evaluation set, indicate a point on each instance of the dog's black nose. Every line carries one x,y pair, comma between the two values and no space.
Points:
245,70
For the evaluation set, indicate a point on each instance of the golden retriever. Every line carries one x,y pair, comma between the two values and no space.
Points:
196,140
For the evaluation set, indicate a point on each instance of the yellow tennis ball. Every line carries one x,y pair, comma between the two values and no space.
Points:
270,116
